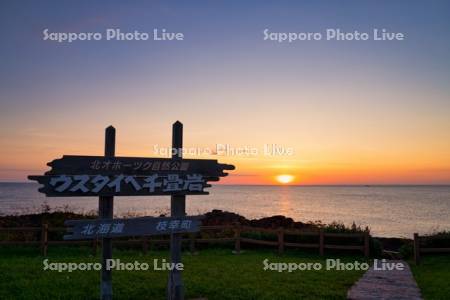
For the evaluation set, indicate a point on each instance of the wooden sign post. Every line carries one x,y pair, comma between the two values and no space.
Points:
106,211
108,176
175,289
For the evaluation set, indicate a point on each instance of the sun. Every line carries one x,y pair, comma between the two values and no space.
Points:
285,178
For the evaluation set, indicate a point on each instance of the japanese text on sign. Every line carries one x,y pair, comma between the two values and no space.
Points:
95,184
153,165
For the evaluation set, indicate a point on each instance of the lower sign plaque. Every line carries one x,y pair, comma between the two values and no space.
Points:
110,228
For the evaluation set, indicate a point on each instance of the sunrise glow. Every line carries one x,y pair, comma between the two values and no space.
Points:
285,179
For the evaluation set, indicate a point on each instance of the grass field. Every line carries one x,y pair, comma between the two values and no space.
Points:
213,274
433,276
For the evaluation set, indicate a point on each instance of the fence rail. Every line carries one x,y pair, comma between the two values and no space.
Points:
418,248
238,236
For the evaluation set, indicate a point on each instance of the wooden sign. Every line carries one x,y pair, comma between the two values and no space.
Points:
108,176
111,228
128,176
121,185
139,166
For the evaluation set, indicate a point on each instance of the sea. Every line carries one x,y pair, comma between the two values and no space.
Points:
389,211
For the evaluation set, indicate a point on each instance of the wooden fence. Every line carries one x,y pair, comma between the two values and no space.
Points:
239,235
419,248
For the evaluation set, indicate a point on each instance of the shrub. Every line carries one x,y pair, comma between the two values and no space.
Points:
406,251
439,239
376,248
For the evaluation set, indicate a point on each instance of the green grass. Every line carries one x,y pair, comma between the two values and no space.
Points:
213,274
433,276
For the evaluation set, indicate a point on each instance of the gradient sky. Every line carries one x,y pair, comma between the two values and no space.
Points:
354,112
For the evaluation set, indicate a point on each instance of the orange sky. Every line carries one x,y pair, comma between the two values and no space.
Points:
337,136
321,160
331,144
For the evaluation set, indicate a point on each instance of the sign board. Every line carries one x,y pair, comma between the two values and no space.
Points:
121,185
108,176
128,176
139,166
111,228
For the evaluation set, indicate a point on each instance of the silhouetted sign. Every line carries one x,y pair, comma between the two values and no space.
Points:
128,176
93,165
121,185
110,228
108,176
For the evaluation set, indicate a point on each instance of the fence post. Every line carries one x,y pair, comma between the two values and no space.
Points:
280,240
192,243
366,244
321,242
44,239
94,247
237,239
145,245
416,249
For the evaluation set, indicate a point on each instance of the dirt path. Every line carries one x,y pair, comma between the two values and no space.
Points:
386,284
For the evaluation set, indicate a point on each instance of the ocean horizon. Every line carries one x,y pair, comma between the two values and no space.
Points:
388,210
